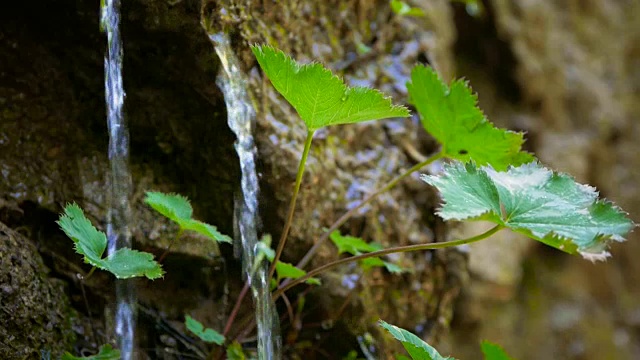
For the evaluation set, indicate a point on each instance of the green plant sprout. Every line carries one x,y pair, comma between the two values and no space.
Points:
205,334
106,352
357,246
124,263
178,209
420,350
321,99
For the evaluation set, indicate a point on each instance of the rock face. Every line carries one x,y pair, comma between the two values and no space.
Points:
36,314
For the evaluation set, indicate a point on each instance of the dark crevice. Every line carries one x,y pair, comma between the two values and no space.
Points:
479,44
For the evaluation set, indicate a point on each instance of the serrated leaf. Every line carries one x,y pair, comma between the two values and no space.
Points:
532,200
493,351
205,229
88,240
235,352
207,335
91,243
173,206
106,352
416,347
178,209
451,116
403,9
127,263
321,98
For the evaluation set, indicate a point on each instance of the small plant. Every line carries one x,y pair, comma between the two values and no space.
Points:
91,243
106,352
420,350
488,177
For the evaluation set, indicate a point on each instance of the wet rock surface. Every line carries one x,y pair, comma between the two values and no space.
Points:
36,314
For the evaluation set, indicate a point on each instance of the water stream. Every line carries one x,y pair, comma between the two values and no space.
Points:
119,179
241,117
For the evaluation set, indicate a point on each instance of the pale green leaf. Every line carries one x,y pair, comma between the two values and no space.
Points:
452,117
206,335
321,98
416,347
178,209
235,352
493,351
402,8
532,200
124,263
290,271
127,263
106,352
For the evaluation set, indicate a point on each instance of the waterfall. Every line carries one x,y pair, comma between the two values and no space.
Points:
119,180
241,117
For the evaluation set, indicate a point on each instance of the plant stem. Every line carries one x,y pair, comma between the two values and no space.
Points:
236,308
393,250
93,269
166,251
305,260
292,206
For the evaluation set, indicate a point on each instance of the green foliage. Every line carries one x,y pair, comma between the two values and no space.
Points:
356,246
321,98
106,352
178,209
283,270
493,351
532,200
451,116
235,352
206,335
418,349
403,9
91,243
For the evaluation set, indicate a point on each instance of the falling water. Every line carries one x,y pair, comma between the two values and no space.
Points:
240,118
120,178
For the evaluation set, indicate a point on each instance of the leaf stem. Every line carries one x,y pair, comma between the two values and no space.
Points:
305,260
166,251
292,206
393,250
93,269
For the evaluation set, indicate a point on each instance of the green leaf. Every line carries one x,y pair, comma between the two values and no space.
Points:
127,263
88,240
539,203
205,229
351,244
206,335
173,206
106,352
416,347
178,209
321,98
235,352
493,351
283,270
451,116
356,246
403,9
91,243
